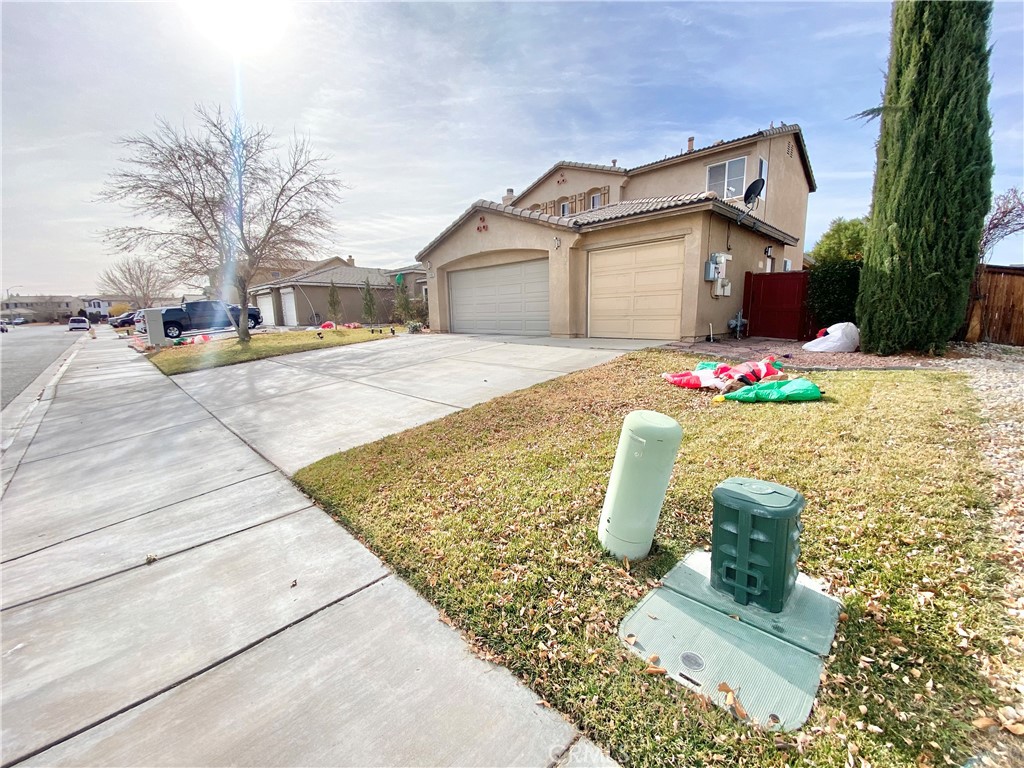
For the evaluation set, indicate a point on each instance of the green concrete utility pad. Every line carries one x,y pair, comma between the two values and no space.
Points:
772,662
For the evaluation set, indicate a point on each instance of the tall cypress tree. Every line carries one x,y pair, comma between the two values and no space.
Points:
933,177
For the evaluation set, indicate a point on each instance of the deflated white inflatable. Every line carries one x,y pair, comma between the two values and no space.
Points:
841,337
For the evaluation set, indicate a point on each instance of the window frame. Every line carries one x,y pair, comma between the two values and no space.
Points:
762,173
725,181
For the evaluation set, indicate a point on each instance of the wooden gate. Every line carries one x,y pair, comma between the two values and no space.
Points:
775,305
996,313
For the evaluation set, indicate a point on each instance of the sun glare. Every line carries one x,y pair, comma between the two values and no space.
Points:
243,29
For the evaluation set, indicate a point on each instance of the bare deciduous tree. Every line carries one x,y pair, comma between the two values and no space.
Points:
221,200
1006,218
140,278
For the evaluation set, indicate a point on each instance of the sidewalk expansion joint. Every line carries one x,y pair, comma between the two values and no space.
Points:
160,558
141,514
194,675
119,439
560,757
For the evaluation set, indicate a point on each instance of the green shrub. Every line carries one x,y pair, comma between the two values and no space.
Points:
832,291
418,311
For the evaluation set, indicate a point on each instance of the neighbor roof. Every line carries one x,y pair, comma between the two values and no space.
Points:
341,274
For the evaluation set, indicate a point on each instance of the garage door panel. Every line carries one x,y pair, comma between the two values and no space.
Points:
662,303
661,279
637,292
509,298
655,328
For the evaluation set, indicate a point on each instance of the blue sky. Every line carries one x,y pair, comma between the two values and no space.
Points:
425,108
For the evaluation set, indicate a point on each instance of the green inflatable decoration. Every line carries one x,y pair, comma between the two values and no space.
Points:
776,391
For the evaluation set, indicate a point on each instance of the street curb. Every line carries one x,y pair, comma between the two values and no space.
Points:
21,418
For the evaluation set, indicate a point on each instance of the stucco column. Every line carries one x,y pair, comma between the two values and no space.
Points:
559,289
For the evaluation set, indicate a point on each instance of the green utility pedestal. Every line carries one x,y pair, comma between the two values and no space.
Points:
636,490
755,541
739,623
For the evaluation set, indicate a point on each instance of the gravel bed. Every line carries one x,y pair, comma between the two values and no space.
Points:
996,375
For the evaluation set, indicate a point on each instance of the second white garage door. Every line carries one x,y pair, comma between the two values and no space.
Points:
637,292
510,299
265,301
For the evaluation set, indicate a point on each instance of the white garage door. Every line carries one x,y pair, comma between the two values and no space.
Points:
265,301
288,307
637,292
511,298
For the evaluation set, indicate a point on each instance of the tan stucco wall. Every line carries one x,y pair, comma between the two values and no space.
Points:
784,205
688,175
701,232
787,189
747,248
576,181
314,298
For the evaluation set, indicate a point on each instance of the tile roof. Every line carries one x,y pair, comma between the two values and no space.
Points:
487,205
409,268
636,207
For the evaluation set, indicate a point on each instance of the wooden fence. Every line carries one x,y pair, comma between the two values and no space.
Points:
996,311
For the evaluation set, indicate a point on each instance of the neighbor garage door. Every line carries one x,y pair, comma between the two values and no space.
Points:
288,306
511,298
265,301
637,292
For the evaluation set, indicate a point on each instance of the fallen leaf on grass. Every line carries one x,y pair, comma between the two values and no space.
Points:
652,670
653,659
732,701
982,723
625,564
1017,729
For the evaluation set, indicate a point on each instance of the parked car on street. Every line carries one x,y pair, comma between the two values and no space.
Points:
78,324
123,321
205,315
20,321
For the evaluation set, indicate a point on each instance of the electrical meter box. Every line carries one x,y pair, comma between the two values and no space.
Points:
755,541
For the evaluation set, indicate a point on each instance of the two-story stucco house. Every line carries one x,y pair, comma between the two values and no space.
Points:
653,252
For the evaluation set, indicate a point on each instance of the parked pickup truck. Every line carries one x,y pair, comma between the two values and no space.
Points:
204,315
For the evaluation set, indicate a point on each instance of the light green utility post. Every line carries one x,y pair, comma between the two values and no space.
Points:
640,475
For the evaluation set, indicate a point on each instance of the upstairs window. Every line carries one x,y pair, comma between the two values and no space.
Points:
726,179
762,173
595,200
564,206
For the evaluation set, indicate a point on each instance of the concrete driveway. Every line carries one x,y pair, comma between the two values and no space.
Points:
294,410
169,598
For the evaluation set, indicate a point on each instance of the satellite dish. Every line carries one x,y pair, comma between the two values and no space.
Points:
750,197
753,192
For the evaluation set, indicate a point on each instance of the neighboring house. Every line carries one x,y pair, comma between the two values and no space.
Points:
605,251
41,309
275,269
302,299
414,278
101,304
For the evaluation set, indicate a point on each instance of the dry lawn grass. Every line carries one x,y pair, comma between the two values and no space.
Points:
491,513
230,351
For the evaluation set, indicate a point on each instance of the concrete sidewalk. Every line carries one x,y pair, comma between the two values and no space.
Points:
169,598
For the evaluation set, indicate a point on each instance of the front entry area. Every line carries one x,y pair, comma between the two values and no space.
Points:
637,292
506,299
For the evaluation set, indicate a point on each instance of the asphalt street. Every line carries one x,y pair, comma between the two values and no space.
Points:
26,351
